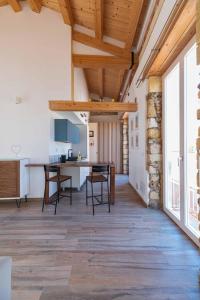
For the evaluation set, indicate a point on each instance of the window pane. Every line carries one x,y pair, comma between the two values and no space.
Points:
191,82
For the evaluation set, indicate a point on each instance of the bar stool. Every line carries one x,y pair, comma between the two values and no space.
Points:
99,174
57,179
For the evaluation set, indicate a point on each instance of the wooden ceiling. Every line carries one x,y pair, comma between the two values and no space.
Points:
117,19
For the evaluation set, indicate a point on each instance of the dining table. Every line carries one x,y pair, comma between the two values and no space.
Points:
79,164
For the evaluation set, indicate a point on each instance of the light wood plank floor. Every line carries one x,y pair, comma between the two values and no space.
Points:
132,249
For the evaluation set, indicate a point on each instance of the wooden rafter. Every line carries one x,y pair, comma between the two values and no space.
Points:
178,37
58,105
66,11
153,19
98,44
101,82
141,21
35,5
134,18
16,6
100,61
99,19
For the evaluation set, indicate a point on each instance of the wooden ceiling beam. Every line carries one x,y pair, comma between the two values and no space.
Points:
99,19
100,61
58,105
15,4
99,44
35,5
66,11
182,31
134,18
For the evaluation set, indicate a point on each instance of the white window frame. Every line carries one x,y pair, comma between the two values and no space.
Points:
182,222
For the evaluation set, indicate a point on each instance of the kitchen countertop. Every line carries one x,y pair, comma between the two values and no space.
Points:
82,163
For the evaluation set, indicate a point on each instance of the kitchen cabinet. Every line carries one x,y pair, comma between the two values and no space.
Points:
66,132
14,178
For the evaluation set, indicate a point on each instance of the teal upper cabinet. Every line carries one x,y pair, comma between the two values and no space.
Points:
66,132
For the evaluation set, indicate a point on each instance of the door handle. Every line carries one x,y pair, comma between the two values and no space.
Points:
180,159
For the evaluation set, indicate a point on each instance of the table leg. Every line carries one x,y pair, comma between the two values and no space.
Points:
112,184
46,193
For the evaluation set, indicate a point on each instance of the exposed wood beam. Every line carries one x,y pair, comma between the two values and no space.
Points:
181,33
134,18
100,61
141,22
99,19
58,105
151,25
98,44
35,5
66,11
101,82
16,6
198,31
168,28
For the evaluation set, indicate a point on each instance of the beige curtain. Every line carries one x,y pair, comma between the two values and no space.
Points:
109,143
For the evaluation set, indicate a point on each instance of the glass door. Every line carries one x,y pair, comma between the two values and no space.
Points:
191,125
180,133
172,142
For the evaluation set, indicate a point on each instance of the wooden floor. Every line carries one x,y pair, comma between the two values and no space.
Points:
133,249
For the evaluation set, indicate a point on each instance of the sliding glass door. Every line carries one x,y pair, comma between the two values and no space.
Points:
172,141
191,81
180,134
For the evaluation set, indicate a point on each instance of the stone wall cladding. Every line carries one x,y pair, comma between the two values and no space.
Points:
154,147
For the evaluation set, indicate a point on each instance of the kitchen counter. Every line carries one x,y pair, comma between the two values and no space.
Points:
69,165
81,163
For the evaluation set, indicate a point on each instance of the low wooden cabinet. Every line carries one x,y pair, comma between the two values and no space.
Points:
14,179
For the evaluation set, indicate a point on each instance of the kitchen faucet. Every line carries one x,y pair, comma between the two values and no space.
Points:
70,153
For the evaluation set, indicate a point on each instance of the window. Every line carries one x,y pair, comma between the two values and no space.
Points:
180,134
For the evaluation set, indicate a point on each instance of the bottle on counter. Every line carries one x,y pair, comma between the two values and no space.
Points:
79,156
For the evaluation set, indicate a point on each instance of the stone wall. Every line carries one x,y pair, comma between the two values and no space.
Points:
154,147
125,149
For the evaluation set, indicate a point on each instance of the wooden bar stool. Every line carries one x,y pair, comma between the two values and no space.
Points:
53,200
99,174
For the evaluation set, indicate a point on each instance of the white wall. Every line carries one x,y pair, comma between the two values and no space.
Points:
137,155
137,158
34,69
35,64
